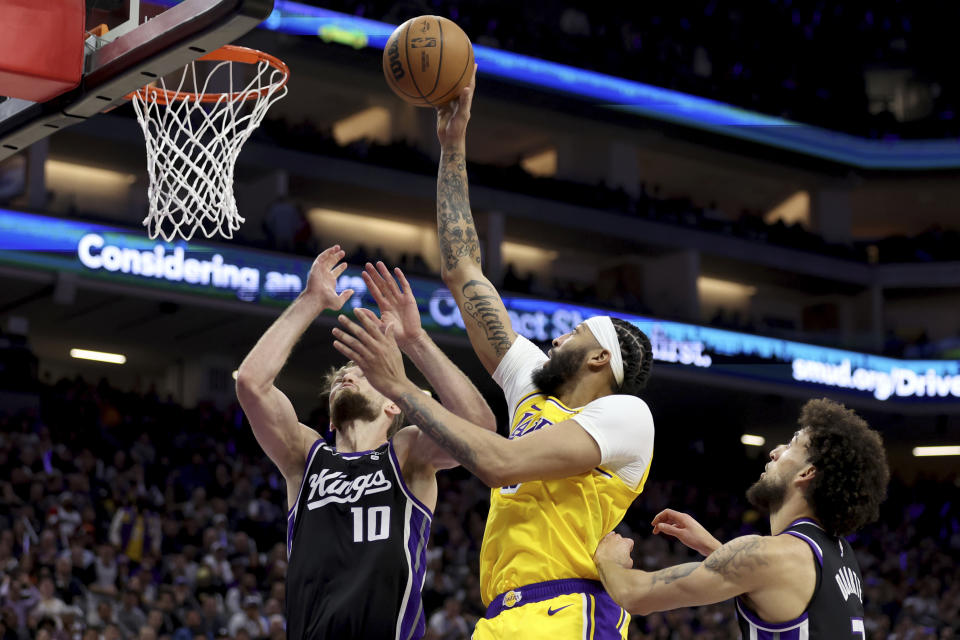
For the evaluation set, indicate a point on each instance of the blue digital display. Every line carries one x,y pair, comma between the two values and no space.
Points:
639,98
226,272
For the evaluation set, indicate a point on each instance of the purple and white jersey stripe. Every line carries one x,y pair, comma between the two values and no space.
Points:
292,513
798,629
835,608
356,540
411,623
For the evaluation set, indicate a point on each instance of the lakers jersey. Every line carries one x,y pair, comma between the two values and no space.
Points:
548,530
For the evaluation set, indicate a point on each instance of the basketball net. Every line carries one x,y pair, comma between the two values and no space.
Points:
193,140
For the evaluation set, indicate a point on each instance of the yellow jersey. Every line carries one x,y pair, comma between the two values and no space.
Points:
548,530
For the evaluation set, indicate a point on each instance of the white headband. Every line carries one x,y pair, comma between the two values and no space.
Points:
602,329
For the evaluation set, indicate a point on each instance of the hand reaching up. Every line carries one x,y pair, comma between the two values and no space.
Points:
685,529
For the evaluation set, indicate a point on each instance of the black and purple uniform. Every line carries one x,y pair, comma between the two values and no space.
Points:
356,545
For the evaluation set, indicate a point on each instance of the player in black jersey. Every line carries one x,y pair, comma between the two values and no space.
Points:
802,582
360,512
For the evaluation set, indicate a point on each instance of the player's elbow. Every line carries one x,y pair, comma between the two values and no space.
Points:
457,276
508,472
635,601
624,597
638,606
452,278
495,474
248,386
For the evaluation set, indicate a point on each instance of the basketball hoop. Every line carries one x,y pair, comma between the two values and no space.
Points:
194,138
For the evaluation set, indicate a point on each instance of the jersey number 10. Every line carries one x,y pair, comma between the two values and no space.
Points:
378,523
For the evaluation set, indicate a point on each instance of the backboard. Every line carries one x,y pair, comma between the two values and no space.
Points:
146,39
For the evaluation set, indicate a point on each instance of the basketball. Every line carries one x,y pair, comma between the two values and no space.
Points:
428,60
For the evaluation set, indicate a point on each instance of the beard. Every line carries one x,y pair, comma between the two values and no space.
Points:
558,370
767,494
350,405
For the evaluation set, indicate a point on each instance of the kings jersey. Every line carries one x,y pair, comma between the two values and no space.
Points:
356,541
836,608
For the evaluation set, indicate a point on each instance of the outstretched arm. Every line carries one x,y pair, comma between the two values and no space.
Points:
740,566
496,460
283,438
398,308
484,314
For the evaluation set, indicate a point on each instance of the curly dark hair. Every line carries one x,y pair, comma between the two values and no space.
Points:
637,357
851,467
399,420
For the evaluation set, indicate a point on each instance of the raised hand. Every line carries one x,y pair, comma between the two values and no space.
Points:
686,529
322,280
371,345
453,116
614,549
398,307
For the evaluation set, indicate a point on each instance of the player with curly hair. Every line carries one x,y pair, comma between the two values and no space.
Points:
801,583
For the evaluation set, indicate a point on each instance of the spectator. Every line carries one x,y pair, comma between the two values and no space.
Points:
909,559
102,615
68,588
135,530
107,572
65,517
130,617
448,623
246,586
49,605
249,619
192,627
19,597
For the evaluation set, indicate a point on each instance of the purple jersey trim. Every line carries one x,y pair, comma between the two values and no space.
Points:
607,618
413,617
513,414
540,591
349,455
763,625
403,485
559,404
805,521
292,514
304,478
817,551
590,611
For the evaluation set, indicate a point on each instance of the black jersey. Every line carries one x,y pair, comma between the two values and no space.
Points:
356,546
835,611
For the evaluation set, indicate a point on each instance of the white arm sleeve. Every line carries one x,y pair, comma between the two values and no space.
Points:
623,428
514,371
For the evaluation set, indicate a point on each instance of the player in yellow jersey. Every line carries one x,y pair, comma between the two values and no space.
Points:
580,441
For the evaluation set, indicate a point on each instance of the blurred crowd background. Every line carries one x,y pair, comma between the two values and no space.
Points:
125,516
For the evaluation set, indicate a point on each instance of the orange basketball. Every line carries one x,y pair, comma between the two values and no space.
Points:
428,60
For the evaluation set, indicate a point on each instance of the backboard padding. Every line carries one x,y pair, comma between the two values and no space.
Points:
155,48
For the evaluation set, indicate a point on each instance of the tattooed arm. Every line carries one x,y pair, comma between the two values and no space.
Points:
484,314
497,461
741,566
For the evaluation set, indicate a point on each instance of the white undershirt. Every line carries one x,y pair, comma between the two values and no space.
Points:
621,425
